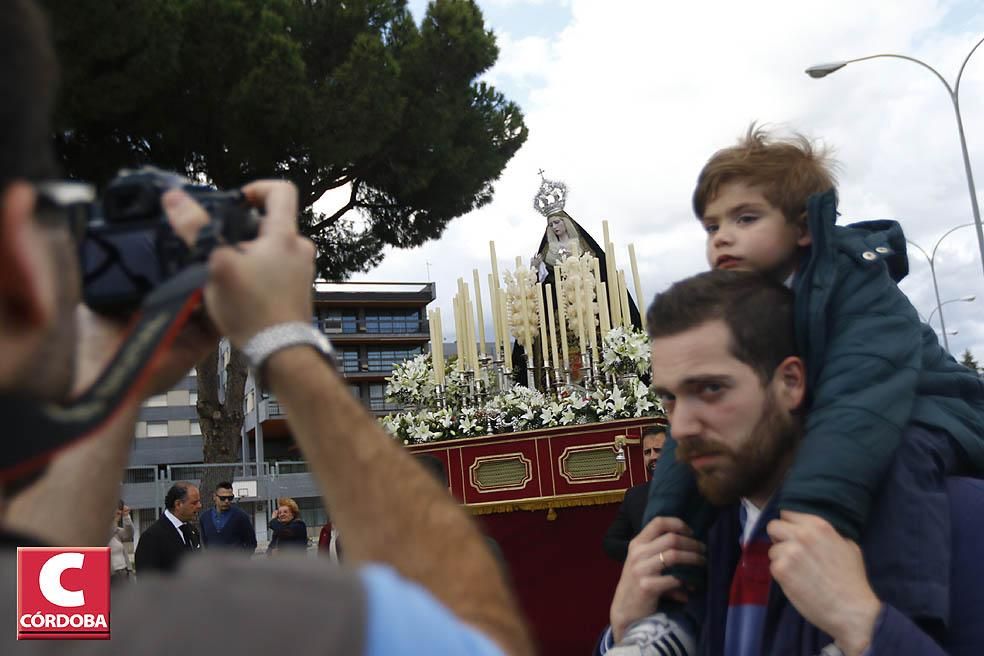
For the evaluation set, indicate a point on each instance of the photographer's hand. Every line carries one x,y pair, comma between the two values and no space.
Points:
266,281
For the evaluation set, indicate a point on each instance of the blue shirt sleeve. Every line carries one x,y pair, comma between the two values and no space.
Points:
403,618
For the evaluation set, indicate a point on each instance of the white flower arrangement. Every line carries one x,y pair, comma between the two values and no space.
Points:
625,352
519,408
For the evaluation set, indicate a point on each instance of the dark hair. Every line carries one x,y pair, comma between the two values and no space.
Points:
223,485
178,492
658,429
788,170
757,310
28,73
435,467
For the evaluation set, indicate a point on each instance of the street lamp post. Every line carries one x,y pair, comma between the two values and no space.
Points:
970,298
932,270
823,70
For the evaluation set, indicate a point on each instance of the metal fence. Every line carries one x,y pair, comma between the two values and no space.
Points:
145,487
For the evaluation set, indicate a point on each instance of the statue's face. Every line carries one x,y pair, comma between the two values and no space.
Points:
558,226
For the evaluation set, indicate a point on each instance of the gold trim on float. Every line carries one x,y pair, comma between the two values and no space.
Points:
614,476
485,489
555,431
547,503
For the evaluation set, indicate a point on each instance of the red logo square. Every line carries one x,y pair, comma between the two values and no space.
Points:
63,594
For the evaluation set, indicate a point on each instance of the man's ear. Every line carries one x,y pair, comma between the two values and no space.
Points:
789,379
27,290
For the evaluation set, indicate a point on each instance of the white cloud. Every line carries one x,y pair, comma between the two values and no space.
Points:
628,100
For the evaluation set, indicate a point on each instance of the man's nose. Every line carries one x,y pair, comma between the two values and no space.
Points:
684,419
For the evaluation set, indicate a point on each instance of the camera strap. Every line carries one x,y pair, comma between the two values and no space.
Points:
34,432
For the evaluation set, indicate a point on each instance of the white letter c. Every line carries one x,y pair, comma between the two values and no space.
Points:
49,580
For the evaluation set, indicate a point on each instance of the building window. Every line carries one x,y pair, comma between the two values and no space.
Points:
196,428
356,392
334,322
249,401
377,399
350,360
382,360
396,320
156,429
157,401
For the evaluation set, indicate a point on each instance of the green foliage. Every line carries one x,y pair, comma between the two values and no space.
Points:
968,361
326,94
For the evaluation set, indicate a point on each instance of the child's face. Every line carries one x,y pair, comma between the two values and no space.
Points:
746,232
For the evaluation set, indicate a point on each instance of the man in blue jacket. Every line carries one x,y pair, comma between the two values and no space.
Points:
725,362
225,525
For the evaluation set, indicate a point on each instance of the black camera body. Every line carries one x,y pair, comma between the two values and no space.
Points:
129,248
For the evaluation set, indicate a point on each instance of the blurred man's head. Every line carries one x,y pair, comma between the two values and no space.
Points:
39,286
184,501
652,446
724,361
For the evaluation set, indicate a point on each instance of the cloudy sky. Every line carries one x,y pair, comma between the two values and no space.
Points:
625,100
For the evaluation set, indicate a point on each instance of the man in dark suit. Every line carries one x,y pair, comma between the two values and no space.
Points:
226,526
173,535
628,521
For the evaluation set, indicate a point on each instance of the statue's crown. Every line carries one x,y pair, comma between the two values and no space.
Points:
550,198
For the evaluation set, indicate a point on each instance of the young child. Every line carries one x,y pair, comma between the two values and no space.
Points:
890,411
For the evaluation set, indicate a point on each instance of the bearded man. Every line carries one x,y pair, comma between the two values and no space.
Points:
724,361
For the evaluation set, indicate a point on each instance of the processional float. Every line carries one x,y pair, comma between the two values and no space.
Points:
547,415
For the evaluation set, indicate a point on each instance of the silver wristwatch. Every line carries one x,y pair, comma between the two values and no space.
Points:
275,338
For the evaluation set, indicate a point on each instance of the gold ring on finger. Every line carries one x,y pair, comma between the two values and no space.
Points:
661,561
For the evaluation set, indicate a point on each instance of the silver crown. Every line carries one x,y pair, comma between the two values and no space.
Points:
550,198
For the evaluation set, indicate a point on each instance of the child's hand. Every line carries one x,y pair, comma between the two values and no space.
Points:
823,576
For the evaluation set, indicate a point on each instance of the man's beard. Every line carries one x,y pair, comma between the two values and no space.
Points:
755,466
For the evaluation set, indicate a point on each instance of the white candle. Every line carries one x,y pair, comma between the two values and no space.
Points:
561,318
495,318
624,296
640,301
481,315
614,302
439,333
495,263
606,324
544,353
555,359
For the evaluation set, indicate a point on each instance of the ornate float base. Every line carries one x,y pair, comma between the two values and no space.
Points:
547,497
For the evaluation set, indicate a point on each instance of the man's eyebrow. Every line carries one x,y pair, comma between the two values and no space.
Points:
703,379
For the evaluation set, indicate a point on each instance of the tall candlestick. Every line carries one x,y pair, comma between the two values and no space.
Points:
614,303
495,263
495,317
606,324
472,350
555,360
624,297
589,318
640,301
561,317
481,314
458,334
433,343
439,333
544,353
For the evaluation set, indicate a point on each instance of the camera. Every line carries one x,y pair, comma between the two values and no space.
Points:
129,248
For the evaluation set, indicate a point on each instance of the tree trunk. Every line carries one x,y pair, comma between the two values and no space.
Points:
221,421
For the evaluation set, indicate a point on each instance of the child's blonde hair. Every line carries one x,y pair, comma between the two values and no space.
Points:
788,171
